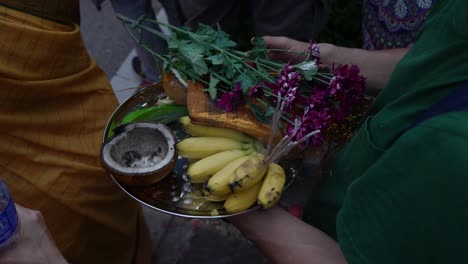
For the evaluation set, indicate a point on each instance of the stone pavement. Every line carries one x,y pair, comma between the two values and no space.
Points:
175,240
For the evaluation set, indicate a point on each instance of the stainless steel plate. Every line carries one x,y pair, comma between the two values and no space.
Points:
175,194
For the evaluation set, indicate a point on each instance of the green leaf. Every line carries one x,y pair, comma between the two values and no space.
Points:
229,70
192,51
212,87
223,41
164,114
308,69
173,42
270,111
259,113
204,33
259,43
199,67
246,81
308,74
180,64
200,38
238,65
259,49
110,132
217,59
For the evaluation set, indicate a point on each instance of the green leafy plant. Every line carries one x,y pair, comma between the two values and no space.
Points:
308,99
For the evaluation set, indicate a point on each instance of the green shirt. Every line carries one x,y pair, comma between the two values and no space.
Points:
397,195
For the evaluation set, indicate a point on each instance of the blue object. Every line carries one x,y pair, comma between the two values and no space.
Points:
8,218
457,100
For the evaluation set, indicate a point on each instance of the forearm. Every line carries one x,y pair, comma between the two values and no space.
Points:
375,65
284,238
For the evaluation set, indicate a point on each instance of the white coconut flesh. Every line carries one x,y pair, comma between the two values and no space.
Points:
141,148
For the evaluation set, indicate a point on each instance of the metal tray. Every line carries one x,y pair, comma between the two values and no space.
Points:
174,194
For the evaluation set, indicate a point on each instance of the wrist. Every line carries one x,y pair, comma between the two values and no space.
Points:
328,54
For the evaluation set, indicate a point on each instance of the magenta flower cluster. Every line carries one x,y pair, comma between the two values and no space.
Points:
314,51
287,85
230,101
330,104
327,100
346,88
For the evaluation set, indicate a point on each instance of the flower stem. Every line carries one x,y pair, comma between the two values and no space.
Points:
273,65
137,23
242,61
320,80
221,78
324,75
285,118
163,59
275,124
284,50
169,26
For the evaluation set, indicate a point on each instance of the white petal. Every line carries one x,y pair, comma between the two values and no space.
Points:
424,3
400,9
308,66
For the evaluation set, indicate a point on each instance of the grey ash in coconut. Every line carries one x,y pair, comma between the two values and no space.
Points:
141,153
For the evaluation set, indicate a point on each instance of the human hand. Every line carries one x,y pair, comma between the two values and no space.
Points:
285,43
328,52
34,244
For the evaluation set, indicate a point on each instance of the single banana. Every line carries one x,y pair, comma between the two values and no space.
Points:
208,131
218,184
238,202
249,173
201,147
272,186
201,170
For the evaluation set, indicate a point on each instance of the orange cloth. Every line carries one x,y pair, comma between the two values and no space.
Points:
54,104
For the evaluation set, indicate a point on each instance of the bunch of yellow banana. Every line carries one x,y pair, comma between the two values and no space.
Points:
231,165
254,181
211,149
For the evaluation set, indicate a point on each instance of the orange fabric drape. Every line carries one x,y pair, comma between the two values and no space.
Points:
54,104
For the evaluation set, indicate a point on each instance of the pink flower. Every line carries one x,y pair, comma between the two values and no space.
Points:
258,90
314,51
310,121
346,89
318,99
289,99
287,79
287,85
336,83
230,101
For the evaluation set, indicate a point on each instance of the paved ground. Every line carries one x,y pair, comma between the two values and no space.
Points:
175,240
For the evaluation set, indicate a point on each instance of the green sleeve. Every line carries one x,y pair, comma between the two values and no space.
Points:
411,205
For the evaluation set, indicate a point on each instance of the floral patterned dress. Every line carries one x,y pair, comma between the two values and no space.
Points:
393,23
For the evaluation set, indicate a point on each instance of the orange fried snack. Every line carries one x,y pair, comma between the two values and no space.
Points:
203,111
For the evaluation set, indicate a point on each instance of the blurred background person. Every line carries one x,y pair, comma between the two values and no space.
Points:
301,20
54,104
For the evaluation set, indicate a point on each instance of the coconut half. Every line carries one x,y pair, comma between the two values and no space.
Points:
141,153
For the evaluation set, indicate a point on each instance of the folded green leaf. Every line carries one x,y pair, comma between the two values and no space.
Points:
164,114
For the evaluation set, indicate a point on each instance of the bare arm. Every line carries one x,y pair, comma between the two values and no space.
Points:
375,65
284,238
